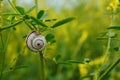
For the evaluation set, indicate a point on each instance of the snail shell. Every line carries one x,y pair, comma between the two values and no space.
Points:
35,41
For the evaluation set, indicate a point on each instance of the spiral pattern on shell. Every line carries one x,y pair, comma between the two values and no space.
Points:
35,41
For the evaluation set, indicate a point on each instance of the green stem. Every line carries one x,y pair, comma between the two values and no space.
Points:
36,3
13,7
0,13
107,51
107,54
11,25
3,57
4,52
42,71
109,69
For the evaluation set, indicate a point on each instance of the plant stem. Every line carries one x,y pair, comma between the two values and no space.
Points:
0,13
3,57
2,43
107,53
4,51
11,4
42,71
109,69
36,4
11,25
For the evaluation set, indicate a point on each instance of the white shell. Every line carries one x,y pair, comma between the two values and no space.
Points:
35,41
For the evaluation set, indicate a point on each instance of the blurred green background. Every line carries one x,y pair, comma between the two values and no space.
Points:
76,40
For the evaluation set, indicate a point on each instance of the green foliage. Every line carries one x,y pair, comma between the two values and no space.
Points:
71,62
38,22
20,9
72,51
61,22
50,38
40,14
114,27
9,26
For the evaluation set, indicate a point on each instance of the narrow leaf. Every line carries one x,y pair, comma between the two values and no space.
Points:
38,22
114,27
61,22
74,61
63,63
20,67
40,14
101,38
9,26
11,14
49,20
71,62
20,9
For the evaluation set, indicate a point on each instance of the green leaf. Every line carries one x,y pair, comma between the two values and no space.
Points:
63,63
57,57
40,14
114,27
20,9
101,38
48,20
50,38
71,62
61,22
38,22
24,36
116,48
12,21
75,61
11,14
20,67
9,26
13,18
32,8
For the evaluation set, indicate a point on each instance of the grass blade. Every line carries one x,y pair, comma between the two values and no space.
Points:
114,27
9,26
74,61
20,67
11,14
61,22
71,62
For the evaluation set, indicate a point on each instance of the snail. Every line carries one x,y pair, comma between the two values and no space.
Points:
35,41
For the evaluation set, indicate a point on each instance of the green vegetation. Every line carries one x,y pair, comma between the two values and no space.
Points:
82,39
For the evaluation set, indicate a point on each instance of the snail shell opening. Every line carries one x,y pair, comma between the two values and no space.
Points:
35,41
